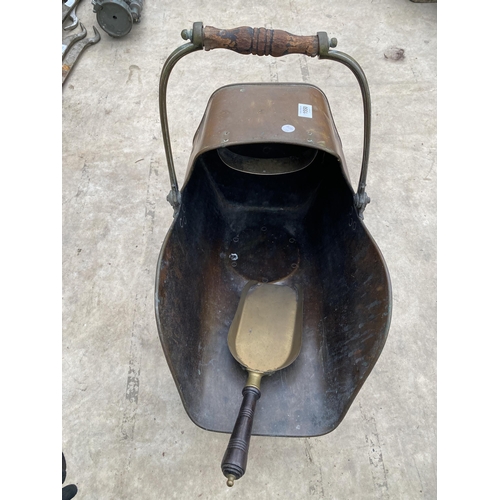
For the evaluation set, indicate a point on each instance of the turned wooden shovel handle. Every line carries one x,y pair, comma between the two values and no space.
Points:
235,459
260,41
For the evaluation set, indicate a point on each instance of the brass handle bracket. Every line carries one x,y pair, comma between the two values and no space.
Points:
361,199
195,42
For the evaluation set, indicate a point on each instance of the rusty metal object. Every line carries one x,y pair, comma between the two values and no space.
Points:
67,7
74,21
75,52
116,17
70,40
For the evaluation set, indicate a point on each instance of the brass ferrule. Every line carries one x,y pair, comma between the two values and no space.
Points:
253,379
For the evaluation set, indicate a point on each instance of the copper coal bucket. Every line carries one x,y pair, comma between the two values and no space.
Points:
267,201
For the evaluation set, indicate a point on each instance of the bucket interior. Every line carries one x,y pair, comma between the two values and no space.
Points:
297,227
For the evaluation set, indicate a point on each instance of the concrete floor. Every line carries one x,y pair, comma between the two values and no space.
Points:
126,434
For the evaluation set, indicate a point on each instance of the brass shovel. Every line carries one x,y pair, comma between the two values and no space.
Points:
265,336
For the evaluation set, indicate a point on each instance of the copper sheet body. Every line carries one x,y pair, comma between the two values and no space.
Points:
268,113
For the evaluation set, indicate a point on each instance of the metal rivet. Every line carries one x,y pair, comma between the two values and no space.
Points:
291,240
236,239
294,266
263,228
187,34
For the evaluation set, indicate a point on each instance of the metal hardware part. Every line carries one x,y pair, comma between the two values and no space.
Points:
70,40
74,21
230,480
361,199
75,53
67,7
196,43
254,379
116,17
325,43
187,34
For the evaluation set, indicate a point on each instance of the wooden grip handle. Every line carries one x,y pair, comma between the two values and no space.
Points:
260,41
235,459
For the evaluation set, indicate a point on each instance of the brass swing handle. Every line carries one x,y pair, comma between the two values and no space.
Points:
260,41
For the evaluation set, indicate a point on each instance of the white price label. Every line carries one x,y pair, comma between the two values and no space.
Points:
305,110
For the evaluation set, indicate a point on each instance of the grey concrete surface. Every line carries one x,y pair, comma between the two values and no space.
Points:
125,432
